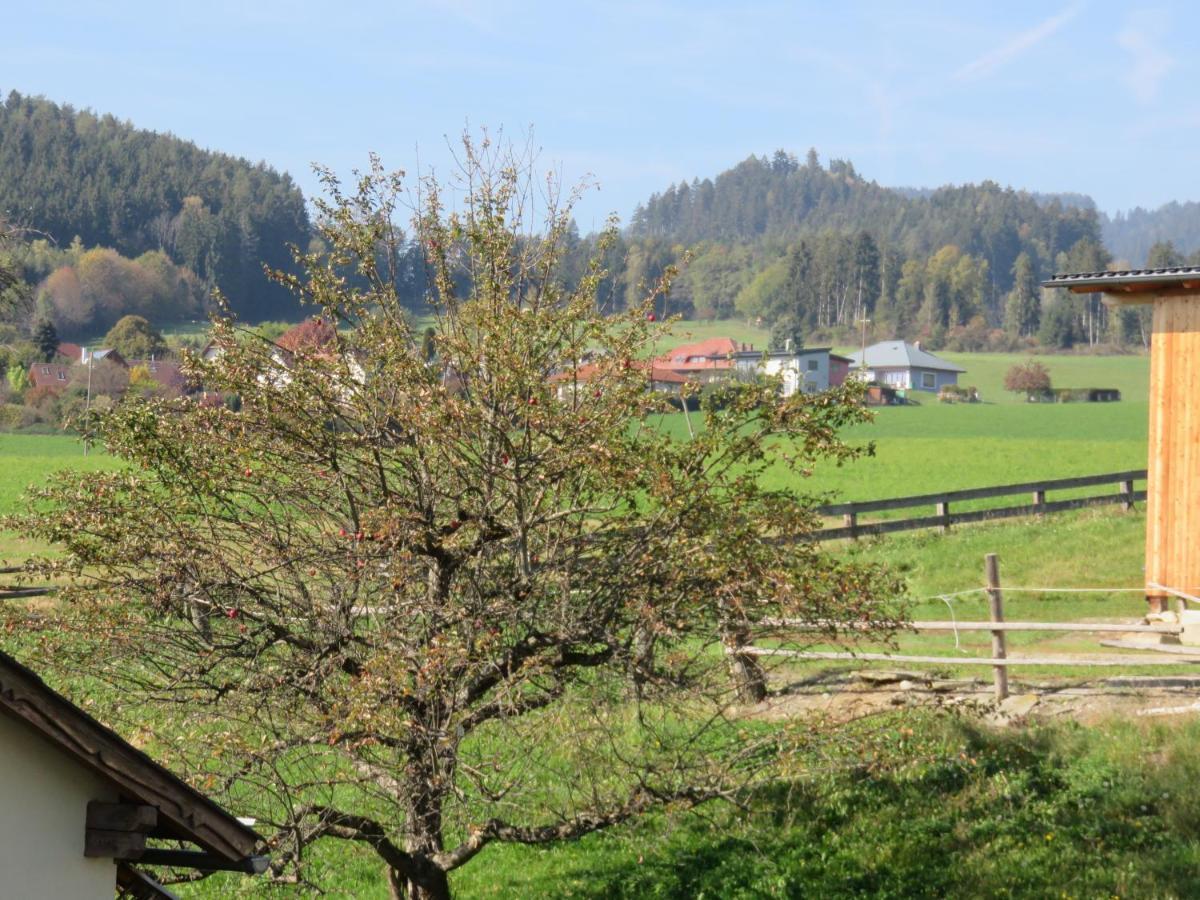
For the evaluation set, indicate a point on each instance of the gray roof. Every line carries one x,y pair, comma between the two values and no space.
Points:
1114,280
902,355
759,354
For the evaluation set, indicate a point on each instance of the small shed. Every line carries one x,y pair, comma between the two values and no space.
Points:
75,798
1173,471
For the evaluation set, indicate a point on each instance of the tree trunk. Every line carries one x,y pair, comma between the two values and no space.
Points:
434,885
749,680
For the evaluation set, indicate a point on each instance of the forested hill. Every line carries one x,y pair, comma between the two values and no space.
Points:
1130,236
782,198
71,173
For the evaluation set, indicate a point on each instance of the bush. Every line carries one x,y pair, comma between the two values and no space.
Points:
1030,377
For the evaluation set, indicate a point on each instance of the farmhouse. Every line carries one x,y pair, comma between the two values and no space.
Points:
75,799
807,370
54,375
569,383
899,364
705,361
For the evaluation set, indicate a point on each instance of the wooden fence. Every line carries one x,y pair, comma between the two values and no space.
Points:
19,592
999,661
852,527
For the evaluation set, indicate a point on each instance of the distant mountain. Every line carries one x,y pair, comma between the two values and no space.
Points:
779,198
74,173
1129,236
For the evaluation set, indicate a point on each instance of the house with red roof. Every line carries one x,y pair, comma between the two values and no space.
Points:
704,361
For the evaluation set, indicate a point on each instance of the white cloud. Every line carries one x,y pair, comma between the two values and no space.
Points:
1143,38
1024,41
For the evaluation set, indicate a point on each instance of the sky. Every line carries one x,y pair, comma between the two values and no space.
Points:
1082,96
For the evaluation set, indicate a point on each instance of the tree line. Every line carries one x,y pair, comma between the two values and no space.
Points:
72,173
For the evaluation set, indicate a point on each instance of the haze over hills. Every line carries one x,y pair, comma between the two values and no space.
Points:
807,245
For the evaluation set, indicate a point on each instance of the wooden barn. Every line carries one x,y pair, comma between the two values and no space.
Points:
81,809
1173,479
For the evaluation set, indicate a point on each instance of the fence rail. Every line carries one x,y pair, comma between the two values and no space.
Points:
1183,651
944,517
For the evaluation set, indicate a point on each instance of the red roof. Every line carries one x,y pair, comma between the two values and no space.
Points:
73,352
709,354
311,334
52,375
588,371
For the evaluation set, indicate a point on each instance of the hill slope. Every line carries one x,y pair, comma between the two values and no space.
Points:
74,173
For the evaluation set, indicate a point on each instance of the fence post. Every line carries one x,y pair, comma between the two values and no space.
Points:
996,608
1126,490
1039,499
943,511
850,520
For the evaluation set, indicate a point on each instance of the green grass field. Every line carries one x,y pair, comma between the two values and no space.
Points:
27,459
912,804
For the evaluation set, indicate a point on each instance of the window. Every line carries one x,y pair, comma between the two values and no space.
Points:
928,380
813,365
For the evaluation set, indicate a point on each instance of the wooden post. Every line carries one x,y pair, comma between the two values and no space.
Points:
1125,488
1039,499
943,510
850,520
996,608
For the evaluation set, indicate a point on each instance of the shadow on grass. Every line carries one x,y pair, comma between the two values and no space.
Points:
933,808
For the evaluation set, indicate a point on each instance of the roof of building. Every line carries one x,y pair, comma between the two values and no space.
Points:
759,354
183,812
713,353
588,371
1128,280
311,334
70,351
902,355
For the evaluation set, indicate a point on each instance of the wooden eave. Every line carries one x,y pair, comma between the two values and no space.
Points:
184,813
1132,287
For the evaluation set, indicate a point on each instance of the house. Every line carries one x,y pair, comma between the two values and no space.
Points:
53,375
807,370
705,361
104,353
71,353
904,366
839,369
75,798
569,383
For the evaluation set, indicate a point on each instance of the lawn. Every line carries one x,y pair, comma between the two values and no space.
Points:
912,804
27,459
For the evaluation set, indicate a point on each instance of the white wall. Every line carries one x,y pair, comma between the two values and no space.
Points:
43,813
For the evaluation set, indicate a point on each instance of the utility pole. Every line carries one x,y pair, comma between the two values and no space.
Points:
864,321
87,406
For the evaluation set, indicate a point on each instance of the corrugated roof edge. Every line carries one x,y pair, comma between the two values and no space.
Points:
1122,276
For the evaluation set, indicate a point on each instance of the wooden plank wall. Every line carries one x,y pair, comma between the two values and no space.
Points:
1173,484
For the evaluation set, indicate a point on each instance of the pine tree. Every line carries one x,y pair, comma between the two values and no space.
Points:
45,338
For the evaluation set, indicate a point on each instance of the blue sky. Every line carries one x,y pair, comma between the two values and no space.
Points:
1055,96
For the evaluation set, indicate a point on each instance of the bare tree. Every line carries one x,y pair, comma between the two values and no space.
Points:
428,607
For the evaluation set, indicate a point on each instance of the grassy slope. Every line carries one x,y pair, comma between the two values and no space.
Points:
1071,811
26,459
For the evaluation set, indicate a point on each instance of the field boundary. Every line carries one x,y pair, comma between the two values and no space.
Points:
944,518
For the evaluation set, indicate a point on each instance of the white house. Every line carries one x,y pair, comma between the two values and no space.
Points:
75,799
806,370
899,364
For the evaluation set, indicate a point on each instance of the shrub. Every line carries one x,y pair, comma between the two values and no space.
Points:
1030,377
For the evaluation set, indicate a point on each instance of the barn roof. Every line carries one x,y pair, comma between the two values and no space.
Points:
183,812
1127,280
902,355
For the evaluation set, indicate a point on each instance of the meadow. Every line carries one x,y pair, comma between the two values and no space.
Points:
909,803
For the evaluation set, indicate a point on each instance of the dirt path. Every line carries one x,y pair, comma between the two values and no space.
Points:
846,694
